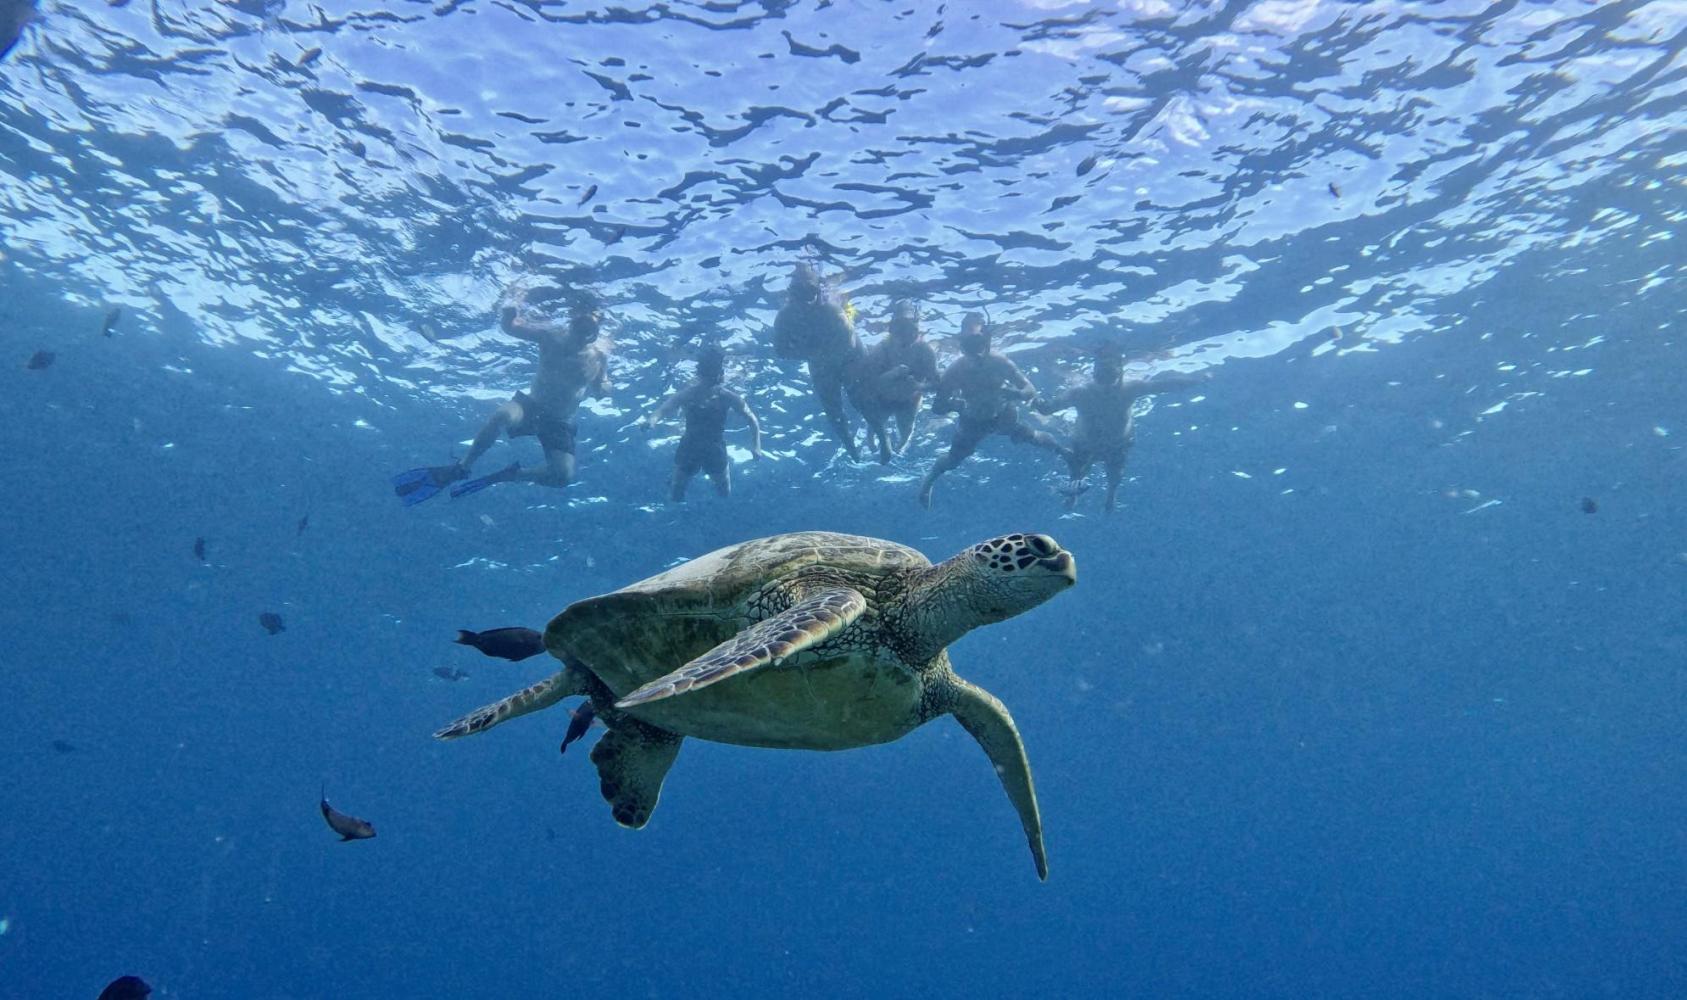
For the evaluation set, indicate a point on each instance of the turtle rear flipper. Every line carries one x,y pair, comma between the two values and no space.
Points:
631,762
548,692
809,622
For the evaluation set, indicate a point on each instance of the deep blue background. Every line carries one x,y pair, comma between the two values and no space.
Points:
1344,741
1350,729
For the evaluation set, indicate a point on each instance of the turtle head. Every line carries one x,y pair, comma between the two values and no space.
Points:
1014,573
989,582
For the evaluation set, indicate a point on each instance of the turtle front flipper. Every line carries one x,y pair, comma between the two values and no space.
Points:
987,719
544,694
632,759
809,622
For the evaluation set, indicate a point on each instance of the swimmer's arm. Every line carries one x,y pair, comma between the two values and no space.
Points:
666,410
600,384
924,368
786,343
944,401
522,328
749,418
1063,400
1016,380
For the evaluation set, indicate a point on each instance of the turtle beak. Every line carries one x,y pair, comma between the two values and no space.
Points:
1054,558
1064,564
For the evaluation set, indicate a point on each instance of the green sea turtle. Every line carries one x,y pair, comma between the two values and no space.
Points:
806,641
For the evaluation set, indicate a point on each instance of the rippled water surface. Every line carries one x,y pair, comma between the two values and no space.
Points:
1373,688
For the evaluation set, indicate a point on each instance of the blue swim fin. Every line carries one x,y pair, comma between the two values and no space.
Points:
415,485
468,486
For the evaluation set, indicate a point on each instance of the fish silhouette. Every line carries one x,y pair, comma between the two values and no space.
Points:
348,827
504,643
577,726
126,988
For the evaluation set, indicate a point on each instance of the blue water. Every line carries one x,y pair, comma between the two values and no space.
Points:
1352,698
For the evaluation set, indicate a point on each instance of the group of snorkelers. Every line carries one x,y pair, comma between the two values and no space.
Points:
886,383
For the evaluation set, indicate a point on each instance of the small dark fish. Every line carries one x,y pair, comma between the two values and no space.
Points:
272,623
1335,191
588,195
1086,166
126,988
615,236
310,56
504,643
1590,505
578,725
449,673
199,551
304,522
112,315
40,360
64,746
348,827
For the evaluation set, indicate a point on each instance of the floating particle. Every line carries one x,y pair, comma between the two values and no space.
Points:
40,360
199,549
112,316
1334,191
64,746
450,673
272,623
1590,505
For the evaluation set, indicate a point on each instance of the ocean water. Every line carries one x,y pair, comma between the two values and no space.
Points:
1376,686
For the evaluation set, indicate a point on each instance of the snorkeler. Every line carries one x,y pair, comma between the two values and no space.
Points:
1106,429
893,377
573,363
989,388
706,404
813,326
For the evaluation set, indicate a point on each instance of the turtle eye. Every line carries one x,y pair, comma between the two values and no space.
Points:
1042,545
